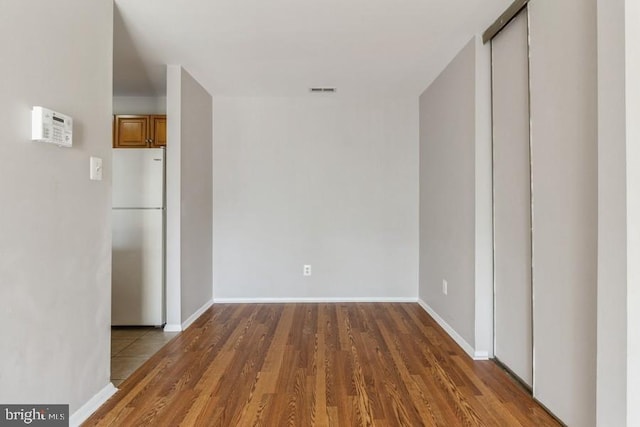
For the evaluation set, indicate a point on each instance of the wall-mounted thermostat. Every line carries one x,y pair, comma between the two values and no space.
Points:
52,127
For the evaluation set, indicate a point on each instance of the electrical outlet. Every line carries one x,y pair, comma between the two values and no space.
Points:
306,270
445,287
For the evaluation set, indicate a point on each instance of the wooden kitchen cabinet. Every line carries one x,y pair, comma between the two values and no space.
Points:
134,131
158,131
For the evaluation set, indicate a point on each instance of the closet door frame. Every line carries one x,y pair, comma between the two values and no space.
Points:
515,10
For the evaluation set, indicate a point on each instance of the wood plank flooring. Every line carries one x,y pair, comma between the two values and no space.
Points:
318,365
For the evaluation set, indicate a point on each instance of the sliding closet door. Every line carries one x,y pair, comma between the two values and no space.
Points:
512,199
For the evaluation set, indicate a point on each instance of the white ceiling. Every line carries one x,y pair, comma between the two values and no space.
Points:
283,47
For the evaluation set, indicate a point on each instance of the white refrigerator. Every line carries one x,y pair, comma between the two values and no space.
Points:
138,248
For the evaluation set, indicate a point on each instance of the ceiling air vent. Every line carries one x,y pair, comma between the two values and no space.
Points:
322,89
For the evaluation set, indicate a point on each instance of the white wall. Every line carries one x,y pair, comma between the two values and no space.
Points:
173,199
612,217
565,205
632,48
321,180
618,389
189,198
456,222
55,249
139,105
196,194
447,193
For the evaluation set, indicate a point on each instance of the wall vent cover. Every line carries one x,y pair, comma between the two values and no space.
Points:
322,90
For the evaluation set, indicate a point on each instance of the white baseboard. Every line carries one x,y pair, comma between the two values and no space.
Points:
481,355
86,410
197,314
170,327
468,348
309,300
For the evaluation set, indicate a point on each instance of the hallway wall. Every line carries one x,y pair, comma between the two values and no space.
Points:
55,224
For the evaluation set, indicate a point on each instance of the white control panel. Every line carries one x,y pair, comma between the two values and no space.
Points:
51,127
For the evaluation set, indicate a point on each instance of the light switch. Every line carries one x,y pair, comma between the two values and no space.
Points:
95,165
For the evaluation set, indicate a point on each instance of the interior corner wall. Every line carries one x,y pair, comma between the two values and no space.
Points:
189,197
196,195
612,217
565,205
448,193
55,249
325,180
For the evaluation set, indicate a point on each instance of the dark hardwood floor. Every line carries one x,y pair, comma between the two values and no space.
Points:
318,365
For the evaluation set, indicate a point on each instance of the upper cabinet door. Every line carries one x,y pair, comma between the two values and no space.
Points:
131,132
158,131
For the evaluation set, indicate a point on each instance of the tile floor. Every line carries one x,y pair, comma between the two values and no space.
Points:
132,346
